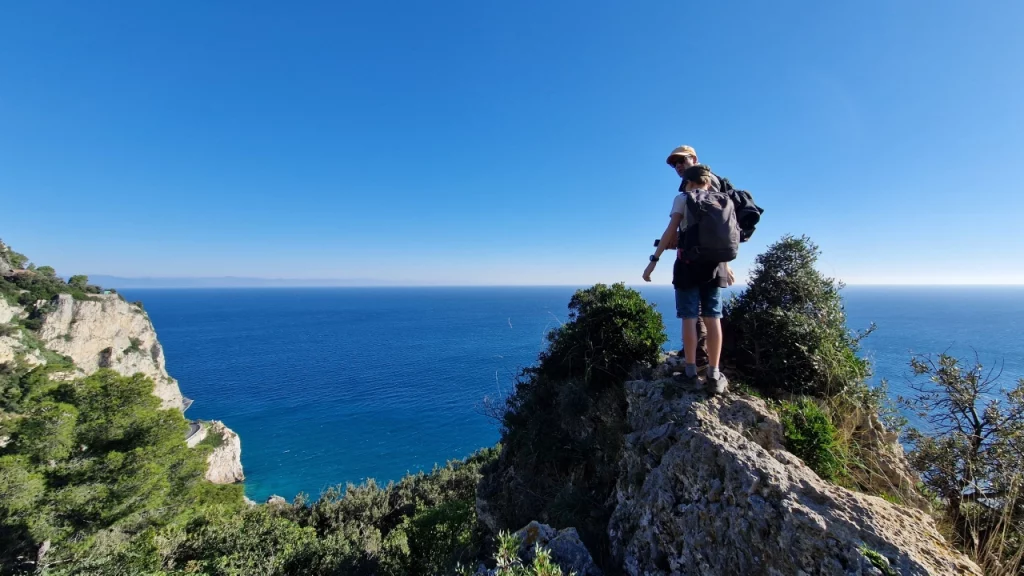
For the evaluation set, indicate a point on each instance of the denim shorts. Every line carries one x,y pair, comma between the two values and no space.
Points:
704,301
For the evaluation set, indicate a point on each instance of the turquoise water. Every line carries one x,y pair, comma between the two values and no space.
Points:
328,386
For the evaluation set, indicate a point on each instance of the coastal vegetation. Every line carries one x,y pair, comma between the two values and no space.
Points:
971,456
564,425
95,478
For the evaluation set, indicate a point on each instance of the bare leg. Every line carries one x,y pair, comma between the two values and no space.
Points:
690,340
702,344
714,326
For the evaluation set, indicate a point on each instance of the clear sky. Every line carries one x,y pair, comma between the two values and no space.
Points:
483,142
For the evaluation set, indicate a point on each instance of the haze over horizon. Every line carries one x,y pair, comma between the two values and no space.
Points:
472,143
257,282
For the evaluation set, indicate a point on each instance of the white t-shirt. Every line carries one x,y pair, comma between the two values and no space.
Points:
679,207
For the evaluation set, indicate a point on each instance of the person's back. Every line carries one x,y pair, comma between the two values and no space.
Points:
697,284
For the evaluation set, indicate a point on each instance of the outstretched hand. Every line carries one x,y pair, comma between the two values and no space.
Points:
648,270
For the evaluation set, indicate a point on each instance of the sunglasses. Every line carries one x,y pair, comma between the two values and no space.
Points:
681,160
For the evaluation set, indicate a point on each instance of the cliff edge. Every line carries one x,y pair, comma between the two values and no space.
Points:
707,487
224,465
103,331
107,332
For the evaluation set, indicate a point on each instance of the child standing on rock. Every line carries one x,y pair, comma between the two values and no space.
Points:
701,268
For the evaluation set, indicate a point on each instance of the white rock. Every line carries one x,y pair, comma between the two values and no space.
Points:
225,464
9,311
108,332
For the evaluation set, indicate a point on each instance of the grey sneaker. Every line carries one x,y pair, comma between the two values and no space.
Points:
717,385
684,382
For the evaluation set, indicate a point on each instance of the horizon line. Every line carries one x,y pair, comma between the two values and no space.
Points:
568,285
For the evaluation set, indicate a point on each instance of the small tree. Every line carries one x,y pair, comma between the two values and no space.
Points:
80,281
972,457
787,331
15,259
610,330
47,271
563,427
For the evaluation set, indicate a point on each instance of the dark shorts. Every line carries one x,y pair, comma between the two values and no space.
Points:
699,301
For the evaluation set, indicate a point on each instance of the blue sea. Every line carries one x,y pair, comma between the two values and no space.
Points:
327,386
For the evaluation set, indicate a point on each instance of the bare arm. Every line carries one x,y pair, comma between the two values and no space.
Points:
666,237
669,236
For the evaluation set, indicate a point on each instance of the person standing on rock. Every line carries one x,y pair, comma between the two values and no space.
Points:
680,159
698,284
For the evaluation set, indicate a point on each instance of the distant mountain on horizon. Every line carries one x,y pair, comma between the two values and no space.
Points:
120,282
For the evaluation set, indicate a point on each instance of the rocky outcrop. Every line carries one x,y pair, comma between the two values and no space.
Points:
12,343
5,265
706,487
565,549
565,546
107,332
8,311
225,463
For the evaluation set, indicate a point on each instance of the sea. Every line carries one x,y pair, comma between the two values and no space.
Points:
330,386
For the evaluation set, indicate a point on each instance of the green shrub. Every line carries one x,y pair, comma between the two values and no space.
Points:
135,346
27,289
611,329
878,561
101,464
212,440
787,331
441,537
509,564
81,282
811,435
564,424
16,260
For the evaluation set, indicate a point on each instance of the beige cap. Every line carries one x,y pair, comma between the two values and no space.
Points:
681,151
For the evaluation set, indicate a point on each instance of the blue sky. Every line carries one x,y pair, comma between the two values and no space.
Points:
478,142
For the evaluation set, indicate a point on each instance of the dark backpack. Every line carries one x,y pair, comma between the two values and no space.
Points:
748,214
712,229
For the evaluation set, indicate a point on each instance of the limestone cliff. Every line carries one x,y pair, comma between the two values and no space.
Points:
107,332
12,342
706,487
225,463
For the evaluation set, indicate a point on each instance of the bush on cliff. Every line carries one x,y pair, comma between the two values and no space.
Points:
972,457
563,428
811,435
14,259
27,289
423,525
786,335
787,331
92,465
611,329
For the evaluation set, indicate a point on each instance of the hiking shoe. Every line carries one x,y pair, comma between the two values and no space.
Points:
684,382
717,385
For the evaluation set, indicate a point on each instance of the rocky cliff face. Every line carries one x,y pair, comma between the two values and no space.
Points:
108,332
706,487
225,463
